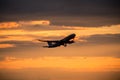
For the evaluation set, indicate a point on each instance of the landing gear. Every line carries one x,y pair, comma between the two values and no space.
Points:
65,45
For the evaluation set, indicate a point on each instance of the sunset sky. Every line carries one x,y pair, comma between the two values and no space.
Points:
95,55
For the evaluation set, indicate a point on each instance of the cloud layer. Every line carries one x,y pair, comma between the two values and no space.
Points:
63,12
104,39
95,55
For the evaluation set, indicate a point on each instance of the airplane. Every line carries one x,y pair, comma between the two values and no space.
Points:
56,43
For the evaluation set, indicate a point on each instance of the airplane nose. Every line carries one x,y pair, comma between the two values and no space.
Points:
74,34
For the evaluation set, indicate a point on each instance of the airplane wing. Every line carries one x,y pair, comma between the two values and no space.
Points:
50,43
48,40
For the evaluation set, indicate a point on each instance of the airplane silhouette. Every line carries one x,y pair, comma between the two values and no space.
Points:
55,43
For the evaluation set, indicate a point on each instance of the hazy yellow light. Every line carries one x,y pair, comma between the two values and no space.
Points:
75,63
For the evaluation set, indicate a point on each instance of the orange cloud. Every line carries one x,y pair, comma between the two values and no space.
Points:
9,25
80,32
6,25
71,63
6,45
10,58
37,22
17,38
22,35
42,22
25,35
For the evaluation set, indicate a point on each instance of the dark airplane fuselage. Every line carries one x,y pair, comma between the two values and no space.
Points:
64,41
68,37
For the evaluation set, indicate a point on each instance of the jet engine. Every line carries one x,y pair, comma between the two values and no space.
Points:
70,42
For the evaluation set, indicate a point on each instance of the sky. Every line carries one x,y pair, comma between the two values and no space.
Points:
95,55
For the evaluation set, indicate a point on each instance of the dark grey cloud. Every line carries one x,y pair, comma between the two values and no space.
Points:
22,49
102,39
53,9
58,7
86,21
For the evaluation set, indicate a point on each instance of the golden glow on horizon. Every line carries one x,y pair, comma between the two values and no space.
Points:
68,63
